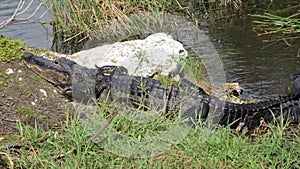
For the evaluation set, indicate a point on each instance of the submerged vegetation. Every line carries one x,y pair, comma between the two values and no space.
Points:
287,28
279,22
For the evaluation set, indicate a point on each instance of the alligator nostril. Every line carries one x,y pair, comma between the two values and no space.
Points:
55,62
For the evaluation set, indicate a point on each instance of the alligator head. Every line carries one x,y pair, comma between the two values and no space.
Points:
52,71
74,80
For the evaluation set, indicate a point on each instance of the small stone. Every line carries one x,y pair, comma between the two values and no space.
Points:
20,79
44,92
9,71
33,103
19,71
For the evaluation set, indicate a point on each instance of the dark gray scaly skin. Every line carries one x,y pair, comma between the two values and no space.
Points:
188,99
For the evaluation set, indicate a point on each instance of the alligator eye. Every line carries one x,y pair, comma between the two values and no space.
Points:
55,62
64,80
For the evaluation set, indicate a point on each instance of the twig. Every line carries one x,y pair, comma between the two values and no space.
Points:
7,112
10,120
35,11
4,23
21,7
46,11
33,150
19,11
188,12
11,163
20,145
98,132
73,36
24,10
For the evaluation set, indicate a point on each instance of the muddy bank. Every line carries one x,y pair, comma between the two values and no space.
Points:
29,99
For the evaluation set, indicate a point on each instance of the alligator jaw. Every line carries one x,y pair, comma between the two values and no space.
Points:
49,70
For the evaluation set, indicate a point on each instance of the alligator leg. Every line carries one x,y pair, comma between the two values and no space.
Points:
111,70
296,85
79,93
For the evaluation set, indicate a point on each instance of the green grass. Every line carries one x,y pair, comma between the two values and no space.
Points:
26,111
110,21
10,49
83,19
201,148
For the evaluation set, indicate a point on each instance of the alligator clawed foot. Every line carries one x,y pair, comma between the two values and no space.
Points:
296,85
111,70
67,91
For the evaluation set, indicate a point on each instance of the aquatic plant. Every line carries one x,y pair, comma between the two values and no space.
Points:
83,19
286,28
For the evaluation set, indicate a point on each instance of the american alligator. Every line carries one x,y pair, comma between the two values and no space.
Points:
194,104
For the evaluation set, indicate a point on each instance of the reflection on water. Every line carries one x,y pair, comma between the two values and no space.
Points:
262,72
31,31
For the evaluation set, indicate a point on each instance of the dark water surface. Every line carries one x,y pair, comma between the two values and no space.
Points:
262,72
30,31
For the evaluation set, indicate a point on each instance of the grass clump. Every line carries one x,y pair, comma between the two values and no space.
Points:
88,17
10,49
111,21
200,148
3,79
26,111
85,18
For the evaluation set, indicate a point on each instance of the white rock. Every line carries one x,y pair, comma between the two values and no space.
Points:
9,71
158,53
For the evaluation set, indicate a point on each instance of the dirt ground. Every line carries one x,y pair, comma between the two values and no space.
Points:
27,98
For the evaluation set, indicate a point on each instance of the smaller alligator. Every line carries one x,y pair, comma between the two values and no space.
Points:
189,100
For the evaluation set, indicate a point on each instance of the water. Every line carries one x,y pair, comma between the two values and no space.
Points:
30,31
263,73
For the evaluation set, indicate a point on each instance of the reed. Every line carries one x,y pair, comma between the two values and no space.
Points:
82,19
286,28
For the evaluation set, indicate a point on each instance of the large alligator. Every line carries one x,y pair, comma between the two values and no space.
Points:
192,103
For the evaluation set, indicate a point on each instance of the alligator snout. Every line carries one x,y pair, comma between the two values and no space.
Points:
50,70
